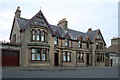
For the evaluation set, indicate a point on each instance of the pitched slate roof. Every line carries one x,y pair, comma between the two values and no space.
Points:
61,32
73,33
22,22
57,29
92,34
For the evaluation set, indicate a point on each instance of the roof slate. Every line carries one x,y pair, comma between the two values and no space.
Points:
92,34
22,22
61,32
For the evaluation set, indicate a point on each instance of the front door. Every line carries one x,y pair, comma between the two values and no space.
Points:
87,59
56,59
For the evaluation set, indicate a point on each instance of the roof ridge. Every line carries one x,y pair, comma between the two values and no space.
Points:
23,18
93,31
75,30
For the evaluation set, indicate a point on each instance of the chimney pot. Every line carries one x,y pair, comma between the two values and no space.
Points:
89,30
18,12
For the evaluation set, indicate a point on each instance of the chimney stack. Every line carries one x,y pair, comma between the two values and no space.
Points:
89,30
63,23
18,12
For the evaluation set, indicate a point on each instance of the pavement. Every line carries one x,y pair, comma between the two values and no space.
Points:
60,72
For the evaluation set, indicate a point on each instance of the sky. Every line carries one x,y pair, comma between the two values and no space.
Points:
80,14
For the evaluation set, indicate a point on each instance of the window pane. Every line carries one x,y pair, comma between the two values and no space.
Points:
55,40
38,32
33,50
33,32
68,53
43,56
64,53
38,51
66,42
79,42
42,38
68,58
81,55
33,37
64,58
78,57
38,56
33,56
38,37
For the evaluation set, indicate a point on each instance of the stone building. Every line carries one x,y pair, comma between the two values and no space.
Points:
113,52
46,45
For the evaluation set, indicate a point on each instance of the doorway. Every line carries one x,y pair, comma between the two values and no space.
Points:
56,59
88,59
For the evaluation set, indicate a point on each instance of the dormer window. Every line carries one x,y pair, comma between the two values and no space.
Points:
67,42
79,44
33,34
56,40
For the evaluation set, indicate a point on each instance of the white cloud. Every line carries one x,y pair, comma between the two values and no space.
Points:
60,1
81,14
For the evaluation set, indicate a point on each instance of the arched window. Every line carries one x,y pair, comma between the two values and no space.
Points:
38,35
33,34
42,35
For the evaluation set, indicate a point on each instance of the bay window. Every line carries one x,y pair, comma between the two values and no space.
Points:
38,54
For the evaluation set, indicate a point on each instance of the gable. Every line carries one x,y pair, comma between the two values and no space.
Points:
39,21
15,31
99,36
